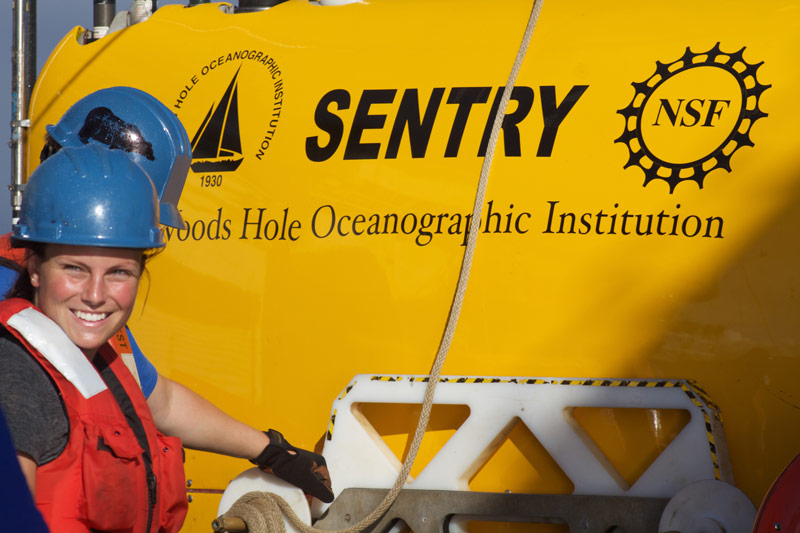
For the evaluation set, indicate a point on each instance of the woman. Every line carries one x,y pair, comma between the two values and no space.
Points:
130,120
88,219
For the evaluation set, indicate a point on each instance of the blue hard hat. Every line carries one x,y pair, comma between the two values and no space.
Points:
133,121
89,196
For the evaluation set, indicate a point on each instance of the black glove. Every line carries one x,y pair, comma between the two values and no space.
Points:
303,469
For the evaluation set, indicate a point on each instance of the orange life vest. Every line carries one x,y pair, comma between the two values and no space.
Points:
117,472
6,250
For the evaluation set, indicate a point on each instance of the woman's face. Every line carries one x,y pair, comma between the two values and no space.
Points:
87,290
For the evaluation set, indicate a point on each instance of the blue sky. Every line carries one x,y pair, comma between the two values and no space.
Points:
54,19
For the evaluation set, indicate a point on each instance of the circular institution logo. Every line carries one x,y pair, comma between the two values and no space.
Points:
231,106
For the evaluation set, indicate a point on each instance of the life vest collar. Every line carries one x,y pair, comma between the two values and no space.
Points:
51,341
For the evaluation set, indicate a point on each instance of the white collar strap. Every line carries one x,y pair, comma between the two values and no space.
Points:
51,341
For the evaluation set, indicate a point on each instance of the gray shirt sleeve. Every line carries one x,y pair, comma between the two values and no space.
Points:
31,403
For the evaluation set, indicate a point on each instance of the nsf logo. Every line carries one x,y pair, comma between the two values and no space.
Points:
691,116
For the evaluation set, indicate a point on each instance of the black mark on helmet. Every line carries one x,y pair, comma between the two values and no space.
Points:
103,126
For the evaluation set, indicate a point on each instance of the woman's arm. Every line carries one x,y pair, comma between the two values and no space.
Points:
28,467
201,425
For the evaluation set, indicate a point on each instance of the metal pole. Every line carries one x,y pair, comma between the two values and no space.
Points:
250,6
31,71
23,74
104,11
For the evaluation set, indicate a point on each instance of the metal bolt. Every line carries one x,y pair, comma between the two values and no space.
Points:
347,518
188,482
189,498
424,519
777,526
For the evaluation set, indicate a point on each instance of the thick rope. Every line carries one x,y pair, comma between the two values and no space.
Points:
270,505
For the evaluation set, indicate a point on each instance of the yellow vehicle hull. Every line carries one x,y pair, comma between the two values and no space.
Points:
641,218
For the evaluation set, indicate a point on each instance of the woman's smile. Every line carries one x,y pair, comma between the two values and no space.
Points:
89,316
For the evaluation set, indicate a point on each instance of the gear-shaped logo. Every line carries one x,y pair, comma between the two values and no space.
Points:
705,130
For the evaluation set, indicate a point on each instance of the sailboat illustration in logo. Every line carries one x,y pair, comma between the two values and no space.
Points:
216,146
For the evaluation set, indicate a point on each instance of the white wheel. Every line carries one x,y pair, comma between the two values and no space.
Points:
708,506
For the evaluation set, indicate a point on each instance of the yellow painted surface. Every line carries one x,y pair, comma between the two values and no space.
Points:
270,302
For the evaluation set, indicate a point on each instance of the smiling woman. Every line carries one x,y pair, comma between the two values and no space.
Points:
84,269
88,217
96,452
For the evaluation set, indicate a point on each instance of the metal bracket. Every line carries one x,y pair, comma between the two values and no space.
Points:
430,511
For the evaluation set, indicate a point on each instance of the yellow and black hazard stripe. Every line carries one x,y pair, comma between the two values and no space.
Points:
712,446
345,391
702,394
329,434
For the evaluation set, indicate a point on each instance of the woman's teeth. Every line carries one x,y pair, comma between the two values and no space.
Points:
90,317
